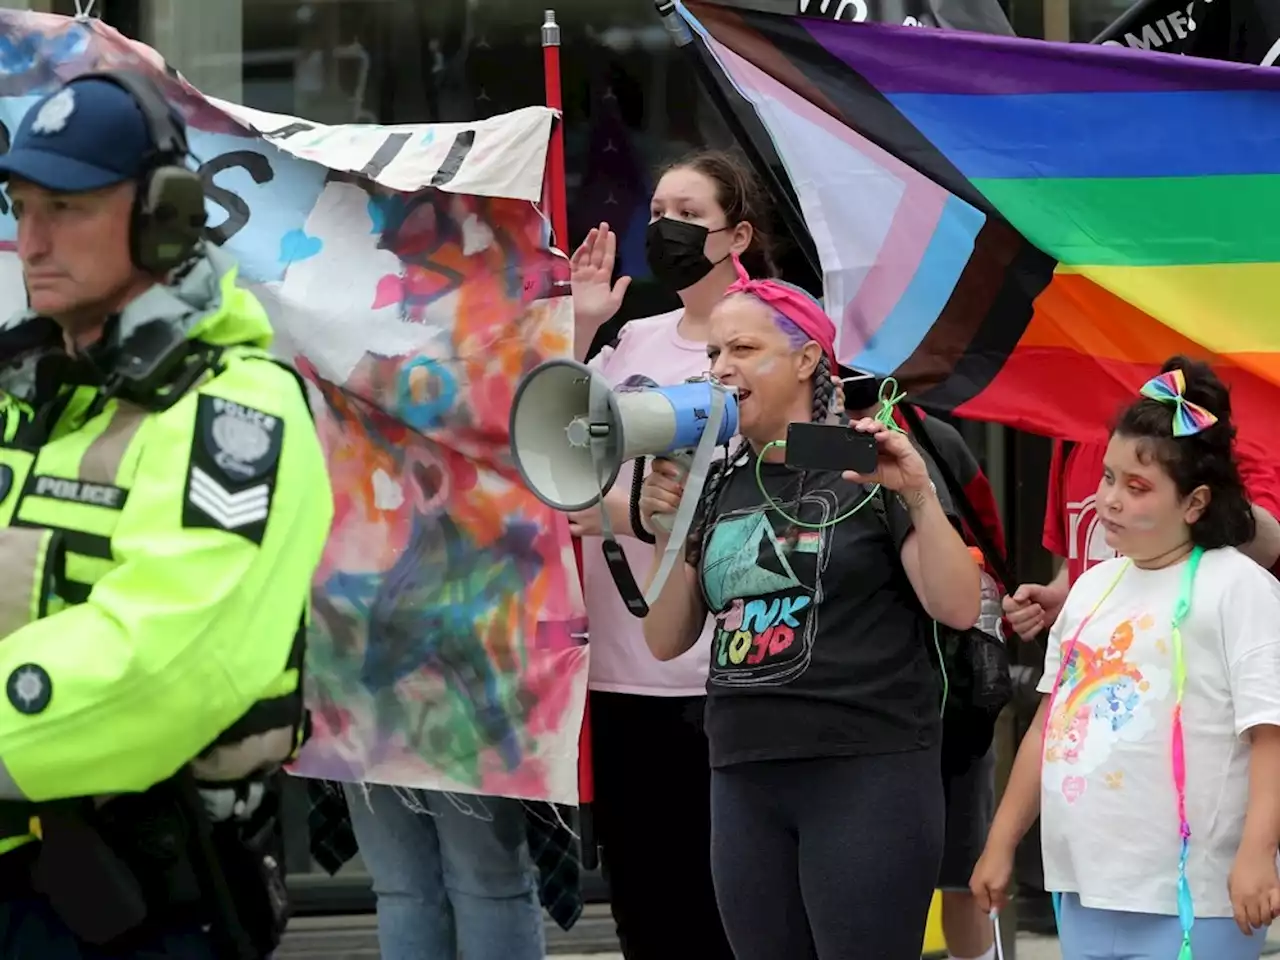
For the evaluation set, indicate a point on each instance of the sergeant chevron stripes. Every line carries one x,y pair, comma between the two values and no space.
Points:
229,510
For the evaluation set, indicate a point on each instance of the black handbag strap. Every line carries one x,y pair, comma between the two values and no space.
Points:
994,556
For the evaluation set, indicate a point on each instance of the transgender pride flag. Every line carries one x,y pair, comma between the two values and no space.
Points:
1022,231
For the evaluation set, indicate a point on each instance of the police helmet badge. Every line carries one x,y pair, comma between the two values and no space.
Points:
55,112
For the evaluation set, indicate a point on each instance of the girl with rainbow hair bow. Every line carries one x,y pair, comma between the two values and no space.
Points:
1154,760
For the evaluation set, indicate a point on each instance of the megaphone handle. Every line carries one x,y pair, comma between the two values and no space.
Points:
637,523
684,460
701,461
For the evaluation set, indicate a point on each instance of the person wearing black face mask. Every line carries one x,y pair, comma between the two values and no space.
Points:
676,251
651,766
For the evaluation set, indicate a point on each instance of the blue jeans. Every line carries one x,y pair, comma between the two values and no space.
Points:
1088,934
450,882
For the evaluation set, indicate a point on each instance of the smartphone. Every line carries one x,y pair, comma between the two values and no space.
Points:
830,446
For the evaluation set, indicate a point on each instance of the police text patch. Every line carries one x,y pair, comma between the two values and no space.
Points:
76,491
235,454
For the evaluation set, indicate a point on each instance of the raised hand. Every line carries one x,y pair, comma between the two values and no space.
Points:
596,298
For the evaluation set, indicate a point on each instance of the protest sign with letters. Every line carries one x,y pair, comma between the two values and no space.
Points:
409,278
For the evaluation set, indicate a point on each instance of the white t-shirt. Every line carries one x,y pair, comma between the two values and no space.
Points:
648,353
1109,821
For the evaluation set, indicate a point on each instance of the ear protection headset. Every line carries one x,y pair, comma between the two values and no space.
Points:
168,214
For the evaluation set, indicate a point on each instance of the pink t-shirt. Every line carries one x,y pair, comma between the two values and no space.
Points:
648,353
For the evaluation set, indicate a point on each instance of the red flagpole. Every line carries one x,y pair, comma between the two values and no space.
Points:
554,195
557,208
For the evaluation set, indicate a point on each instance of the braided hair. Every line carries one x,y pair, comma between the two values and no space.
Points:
717,474
823,391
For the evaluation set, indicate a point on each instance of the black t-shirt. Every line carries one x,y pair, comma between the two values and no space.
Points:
821,646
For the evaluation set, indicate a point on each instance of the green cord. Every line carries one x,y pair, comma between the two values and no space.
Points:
889,398
942,668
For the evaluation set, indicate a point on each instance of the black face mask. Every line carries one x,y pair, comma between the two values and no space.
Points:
676,252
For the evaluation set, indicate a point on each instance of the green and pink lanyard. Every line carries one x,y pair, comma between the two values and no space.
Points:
1181,607
1188,419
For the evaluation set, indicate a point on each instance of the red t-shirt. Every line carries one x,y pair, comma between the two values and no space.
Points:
1071,527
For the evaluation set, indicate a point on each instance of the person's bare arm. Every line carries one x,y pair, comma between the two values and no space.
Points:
1020,805
1019,808
1033,607
1253,885
677,616
1264,548
938,564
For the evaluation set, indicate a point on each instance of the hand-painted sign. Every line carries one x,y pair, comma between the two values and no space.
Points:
406,275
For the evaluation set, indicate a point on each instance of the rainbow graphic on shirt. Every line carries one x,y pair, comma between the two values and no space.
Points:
1103,694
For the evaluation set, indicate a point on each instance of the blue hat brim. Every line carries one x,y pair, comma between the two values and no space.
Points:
57,173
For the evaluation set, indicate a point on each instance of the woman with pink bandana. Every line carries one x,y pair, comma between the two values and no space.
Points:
823,702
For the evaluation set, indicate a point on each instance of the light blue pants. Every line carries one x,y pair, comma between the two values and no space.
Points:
450,882
1088,934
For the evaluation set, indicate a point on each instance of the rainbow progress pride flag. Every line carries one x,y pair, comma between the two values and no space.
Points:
1022,231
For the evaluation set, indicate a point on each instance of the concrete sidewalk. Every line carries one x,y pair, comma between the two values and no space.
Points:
1030,947
355,938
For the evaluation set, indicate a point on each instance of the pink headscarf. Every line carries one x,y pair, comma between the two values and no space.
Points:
794,304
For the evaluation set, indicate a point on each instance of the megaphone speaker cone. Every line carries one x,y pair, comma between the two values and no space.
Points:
552,431
568,452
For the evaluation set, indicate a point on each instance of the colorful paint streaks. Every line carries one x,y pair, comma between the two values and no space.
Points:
445,653
446,648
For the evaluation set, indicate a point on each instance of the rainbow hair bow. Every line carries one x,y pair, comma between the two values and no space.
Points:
1188,418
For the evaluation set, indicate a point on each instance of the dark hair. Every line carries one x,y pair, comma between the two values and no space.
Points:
823,390
741,199
1202,459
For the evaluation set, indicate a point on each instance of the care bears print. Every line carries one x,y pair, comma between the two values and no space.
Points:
1110,694
1107,762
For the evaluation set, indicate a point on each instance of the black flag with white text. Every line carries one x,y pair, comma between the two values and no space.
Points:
1242,31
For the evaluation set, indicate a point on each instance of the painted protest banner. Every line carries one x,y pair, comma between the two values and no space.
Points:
408,277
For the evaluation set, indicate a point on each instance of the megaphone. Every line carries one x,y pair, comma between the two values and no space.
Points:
571,432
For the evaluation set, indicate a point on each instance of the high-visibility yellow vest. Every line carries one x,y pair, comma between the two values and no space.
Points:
155,573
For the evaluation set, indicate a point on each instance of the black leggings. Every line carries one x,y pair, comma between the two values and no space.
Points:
653,820
833,859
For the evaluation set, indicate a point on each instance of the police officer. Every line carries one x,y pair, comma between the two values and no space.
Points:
164,503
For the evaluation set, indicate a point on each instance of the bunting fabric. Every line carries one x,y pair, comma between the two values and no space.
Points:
1021,231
